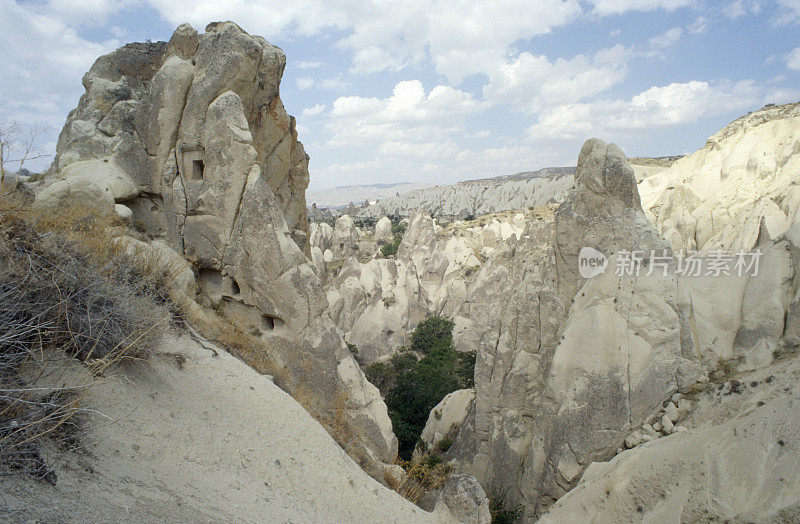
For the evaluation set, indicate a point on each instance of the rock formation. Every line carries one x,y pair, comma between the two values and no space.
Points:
463,500
192,138
568,367
736,458
378,302
745,175
187,436
568,370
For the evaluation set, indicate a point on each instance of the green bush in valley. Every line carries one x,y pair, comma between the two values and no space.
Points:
390,248
420,377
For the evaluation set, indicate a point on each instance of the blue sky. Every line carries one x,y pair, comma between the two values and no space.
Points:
437,91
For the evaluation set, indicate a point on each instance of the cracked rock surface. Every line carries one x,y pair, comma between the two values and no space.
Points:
190,139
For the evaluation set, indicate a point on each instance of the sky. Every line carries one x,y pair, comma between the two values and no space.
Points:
437,91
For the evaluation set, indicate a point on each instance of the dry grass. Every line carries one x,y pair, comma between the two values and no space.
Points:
66,291
419,479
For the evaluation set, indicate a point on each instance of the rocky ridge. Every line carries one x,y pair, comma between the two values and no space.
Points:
190,142
743,183
478,197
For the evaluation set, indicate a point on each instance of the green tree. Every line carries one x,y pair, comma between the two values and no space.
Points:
418,385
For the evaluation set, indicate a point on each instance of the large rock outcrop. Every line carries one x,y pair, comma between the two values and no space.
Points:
735,459
192,137
745,176
568,367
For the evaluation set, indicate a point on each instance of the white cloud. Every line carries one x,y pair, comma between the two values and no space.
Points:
305,64
735,9
313,110
667,38
790,11
85,12
699,26
409,115
46,59
531,83
670,105
616,7
659,44
305,82
739,8
460,38
336,83
793,59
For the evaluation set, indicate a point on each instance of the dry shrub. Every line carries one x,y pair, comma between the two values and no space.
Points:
57,292
420,479
66,291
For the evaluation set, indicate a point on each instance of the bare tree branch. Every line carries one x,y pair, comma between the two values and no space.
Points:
18,145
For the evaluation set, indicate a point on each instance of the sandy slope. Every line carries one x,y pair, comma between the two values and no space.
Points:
203,439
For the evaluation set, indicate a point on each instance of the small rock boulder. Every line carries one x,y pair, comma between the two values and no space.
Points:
463,500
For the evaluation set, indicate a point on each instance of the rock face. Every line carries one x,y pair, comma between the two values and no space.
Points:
206,440
447,417
463,500
191,136
567,367
745,176
738,460
479,197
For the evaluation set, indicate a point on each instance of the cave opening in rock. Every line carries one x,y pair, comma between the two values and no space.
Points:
269,322
197,169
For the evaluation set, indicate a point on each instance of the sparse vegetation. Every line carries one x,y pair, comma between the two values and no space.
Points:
71,305
398,230
420,478
17,145
353,349
726,368
500,510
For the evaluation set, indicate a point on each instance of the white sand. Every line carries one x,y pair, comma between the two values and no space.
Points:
207,439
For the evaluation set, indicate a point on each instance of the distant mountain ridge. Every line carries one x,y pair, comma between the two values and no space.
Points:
480,196
341,196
